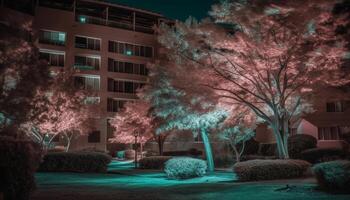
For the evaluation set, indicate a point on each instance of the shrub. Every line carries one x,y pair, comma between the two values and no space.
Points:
75,162
185,167
129,154
318,155
254,170
191,152
300,142
19,159
257,157
333,176
153,162
268,149
251,147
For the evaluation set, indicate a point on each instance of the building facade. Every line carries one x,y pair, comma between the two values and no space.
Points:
107,45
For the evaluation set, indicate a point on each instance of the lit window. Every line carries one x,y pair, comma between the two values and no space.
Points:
337,106
82,19
52,37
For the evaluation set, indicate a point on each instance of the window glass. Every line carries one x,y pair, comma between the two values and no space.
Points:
94,137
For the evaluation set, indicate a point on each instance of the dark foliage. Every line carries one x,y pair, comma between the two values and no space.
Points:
318,155
75,162
191,152
251,147
268,149
255,170
153,162
333,176
19,159
300,142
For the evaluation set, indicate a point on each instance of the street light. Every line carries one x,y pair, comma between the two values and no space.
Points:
136,134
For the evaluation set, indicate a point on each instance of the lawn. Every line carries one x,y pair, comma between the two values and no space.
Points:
123,183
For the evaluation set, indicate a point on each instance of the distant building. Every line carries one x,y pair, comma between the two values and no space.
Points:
108,44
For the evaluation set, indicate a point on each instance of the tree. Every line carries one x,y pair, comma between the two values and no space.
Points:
133,121
266,55
21,72
60,110
237,129
179,113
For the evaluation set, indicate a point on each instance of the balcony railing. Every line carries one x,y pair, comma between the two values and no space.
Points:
84,19
86,67
53,42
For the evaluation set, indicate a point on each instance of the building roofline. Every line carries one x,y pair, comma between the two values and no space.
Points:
118,5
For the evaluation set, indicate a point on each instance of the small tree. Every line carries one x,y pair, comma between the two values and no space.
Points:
133,121
59,111
236,136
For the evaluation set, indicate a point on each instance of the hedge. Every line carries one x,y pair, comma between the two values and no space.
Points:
333,176
153,162
299,143
75,162
185,167
255,170
19,159
318,155
191,153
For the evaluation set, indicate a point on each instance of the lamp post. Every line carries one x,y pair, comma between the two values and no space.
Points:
136,134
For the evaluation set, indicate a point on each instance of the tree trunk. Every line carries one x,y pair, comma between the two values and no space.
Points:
141,149
69,139
282,142
160,144
208,151
236,153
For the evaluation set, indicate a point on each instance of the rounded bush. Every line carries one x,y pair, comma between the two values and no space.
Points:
185,167
318,155
300,142
333,176
153,162
254,170
75,162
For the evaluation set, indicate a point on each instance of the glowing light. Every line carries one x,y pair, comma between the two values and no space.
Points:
82,19
128,52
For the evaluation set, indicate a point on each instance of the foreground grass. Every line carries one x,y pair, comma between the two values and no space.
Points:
128,184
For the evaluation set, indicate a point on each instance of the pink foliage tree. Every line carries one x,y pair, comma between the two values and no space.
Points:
133,121
61,111
271,58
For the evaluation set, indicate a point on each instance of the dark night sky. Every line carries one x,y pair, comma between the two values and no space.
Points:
173,9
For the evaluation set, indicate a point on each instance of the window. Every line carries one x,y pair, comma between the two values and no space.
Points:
87,82
55,59
110,129
123,86
130,49
337,106
94,137
126,67
87,63
87,43
52,37
328,133
114,105
91,100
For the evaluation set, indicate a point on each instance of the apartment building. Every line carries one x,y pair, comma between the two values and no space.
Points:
108,45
